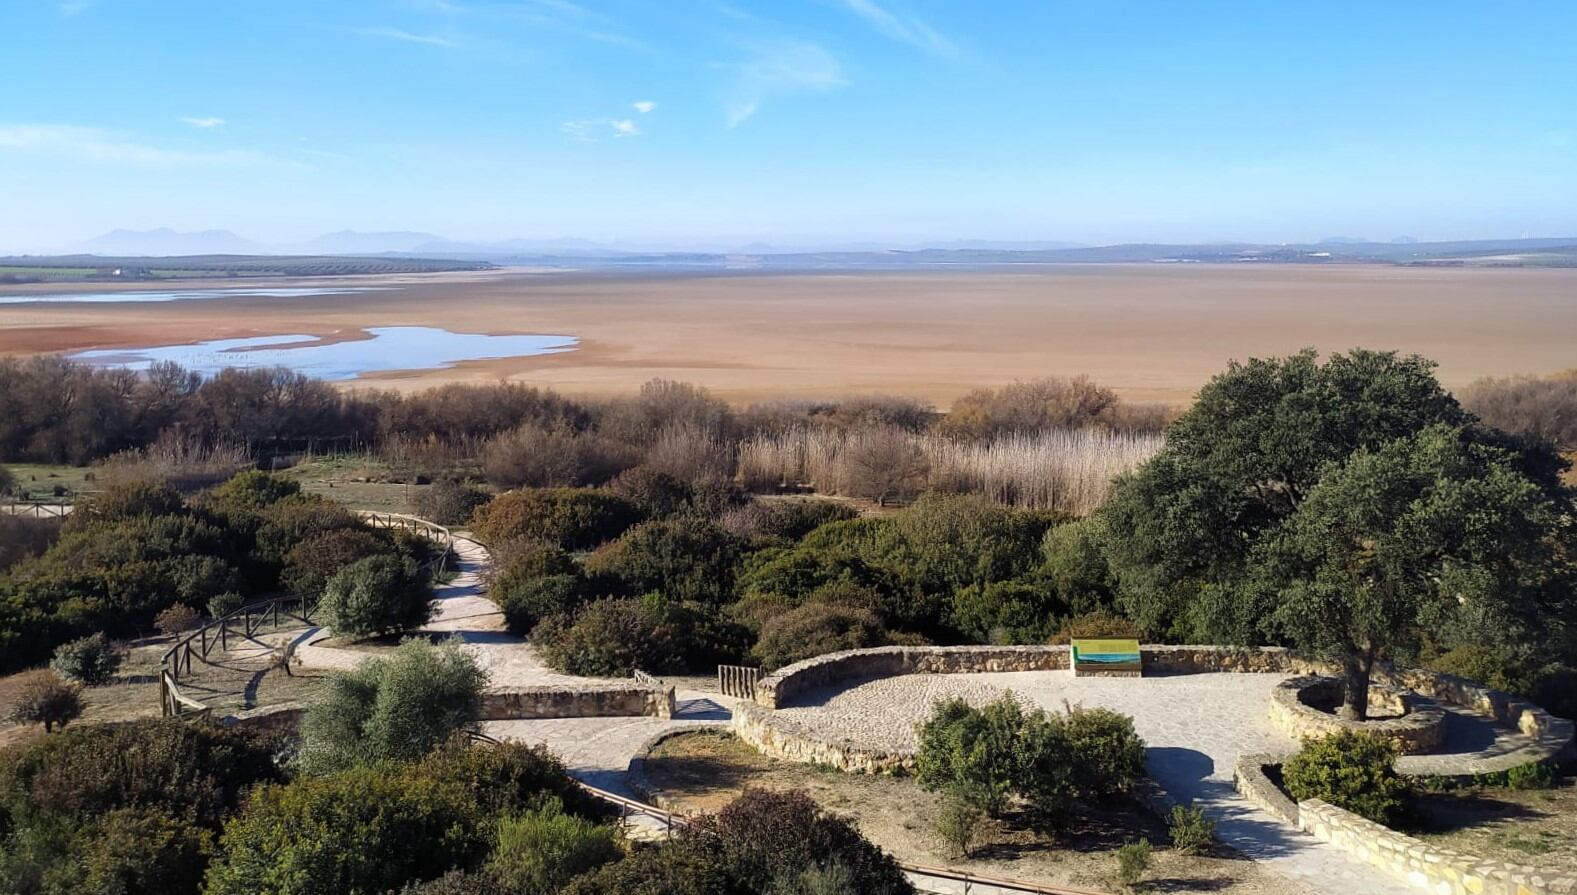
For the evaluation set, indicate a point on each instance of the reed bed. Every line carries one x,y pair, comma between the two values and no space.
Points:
1063,470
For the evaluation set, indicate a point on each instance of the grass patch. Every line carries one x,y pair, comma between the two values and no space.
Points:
51,483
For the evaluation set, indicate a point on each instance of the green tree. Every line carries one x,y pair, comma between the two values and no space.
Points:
682,559
365,830
1428,532
377,595
397,708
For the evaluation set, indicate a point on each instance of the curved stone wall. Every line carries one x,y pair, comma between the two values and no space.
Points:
784,739
1416,727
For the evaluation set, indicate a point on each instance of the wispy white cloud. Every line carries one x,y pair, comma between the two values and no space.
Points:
899,26
205,123
72,7
779,68
562,15
643,106
388,33
592,130
99,146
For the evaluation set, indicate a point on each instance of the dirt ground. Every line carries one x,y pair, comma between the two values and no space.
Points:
704,771
1537,827
1154,332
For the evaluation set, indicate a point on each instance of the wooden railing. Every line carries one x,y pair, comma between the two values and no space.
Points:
738,681
642,677
248,619
35,510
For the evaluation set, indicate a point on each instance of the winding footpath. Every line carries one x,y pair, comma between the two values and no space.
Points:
598,751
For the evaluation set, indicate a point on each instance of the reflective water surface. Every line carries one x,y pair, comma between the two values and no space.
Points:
372,350
184,294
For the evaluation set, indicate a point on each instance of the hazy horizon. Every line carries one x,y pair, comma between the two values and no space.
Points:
902,122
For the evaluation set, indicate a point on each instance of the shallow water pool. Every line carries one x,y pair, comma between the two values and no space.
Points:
371,350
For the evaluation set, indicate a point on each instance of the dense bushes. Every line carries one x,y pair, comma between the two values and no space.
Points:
366,829
615,637
1000,755
396,708
682,559
131,809
814,629
1350,770
377,595
1524,405
572,518
540,851
449,502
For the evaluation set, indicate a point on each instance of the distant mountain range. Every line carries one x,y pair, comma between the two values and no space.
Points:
571,252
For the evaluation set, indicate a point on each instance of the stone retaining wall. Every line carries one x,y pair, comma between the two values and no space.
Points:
1430,869
1417,727
636,778
1255,785
284,718
582,700
792,741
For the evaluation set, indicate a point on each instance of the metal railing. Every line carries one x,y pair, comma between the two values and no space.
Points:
738,681
177,660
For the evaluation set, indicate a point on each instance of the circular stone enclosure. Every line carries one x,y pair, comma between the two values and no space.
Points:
1303,707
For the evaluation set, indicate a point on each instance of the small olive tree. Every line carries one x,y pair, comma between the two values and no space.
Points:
377,595
397,708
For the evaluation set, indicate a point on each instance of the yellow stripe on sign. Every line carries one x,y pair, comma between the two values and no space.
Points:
1107,647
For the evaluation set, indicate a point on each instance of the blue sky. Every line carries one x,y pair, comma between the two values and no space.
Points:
675,123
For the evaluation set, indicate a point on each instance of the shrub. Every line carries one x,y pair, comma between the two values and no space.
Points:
90,660
814,629
960,818
974,749
656,494
449,501
135,851
377,595
1133,862
1016,611
1545,408
457,882
177,620
508,778
312,562
23,538
366,830
124,501
1533,775
395,708
764,835
527,603
1097,624
540,851
1048,760
1191,831
224,604
682,559
253,490
42,697
672,869
615,637
571,518
789,519
1076,564
884,464
194,772
832,878
1107,755
296,520
1351,770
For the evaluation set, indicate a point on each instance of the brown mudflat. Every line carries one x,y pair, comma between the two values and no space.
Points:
1154,332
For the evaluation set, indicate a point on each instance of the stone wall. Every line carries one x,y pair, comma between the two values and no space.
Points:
581,700
1417,727
284,718
780,687
1430,869
788,740
636,778
1255,785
